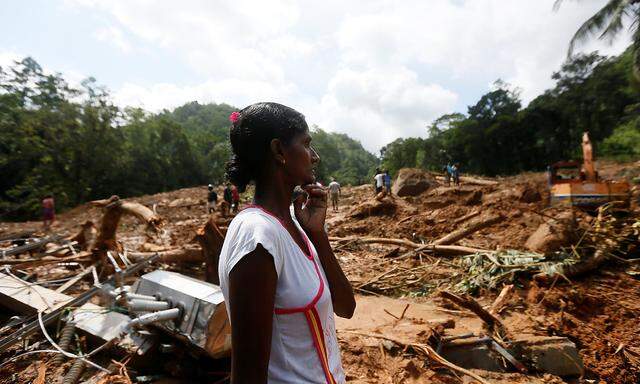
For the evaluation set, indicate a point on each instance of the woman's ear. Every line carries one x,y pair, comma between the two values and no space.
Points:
277,150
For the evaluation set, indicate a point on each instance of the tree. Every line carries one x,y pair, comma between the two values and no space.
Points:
341,157
79,146
609,22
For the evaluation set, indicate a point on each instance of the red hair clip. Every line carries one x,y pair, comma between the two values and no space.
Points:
234,116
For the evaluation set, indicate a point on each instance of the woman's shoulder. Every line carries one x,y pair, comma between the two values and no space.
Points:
253,219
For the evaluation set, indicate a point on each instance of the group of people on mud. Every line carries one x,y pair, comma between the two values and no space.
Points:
230,199
382,181
451,173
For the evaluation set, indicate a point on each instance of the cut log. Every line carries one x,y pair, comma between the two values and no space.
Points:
114,209
467,302
466,217
182,255
472,180
468,230
452,250
211,240
501,300
378,240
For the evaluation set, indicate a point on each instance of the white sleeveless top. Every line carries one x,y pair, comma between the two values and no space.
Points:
304,346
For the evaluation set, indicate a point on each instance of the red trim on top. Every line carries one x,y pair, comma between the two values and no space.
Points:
312,303
308,254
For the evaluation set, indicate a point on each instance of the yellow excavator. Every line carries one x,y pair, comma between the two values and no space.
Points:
579,185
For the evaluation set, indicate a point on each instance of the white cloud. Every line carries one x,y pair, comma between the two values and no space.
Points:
114,36
358,67
167,95
7,58
72,77
381,105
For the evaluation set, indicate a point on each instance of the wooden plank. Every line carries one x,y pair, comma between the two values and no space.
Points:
75,279
28,298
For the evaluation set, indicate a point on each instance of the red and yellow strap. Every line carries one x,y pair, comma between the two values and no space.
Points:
315,326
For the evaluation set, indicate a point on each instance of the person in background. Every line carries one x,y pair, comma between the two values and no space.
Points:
455,174
447,174
280,280
212,199
235,199
387,181
227,196
379,180
48,212
334,192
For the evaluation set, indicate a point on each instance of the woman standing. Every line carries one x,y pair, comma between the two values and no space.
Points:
281,282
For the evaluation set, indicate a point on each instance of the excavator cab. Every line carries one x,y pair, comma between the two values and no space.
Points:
578,184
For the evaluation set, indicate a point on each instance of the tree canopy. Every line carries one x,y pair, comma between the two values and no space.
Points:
77,145
497,136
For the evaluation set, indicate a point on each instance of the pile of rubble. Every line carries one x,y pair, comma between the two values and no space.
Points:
481,282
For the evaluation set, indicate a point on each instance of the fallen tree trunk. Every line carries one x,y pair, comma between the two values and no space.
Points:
576,269
378,240
466,217
471,180
467,302
468,230
114,209
211,239
501,300
180,255
136,209
452,250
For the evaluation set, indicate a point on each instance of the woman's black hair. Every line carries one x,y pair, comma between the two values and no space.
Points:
251,134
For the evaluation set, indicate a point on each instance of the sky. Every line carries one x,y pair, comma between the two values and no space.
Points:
376,69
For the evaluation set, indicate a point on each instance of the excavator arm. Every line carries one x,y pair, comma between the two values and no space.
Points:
587,155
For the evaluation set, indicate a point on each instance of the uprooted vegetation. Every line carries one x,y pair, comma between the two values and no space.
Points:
448,269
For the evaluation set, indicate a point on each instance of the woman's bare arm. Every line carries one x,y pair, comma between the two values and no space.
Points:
252,288
312,219
344,303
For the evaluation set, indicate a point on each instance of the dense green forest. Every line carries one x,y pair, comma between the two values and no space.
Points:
497,136
77,145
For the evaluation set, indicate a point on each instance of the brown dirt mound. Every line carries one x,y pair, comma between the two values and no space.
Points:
374,207
600,314
412,182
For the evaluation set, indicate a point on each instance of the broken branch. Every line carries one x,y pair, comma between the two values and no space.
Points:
471,228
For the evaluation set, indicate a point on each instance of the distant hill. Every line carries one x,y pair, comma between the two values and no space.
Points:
78,146
207,128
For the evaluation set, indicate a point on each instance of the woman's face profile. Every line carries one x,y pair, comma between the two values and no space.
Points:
301,159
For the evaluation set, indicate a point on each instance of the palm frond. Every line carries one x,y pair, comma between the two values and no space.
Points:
556,5
636,45
601,20
615,24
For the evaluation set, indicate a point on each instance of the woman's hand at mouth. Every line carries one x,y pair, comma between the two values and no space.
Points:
314,213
